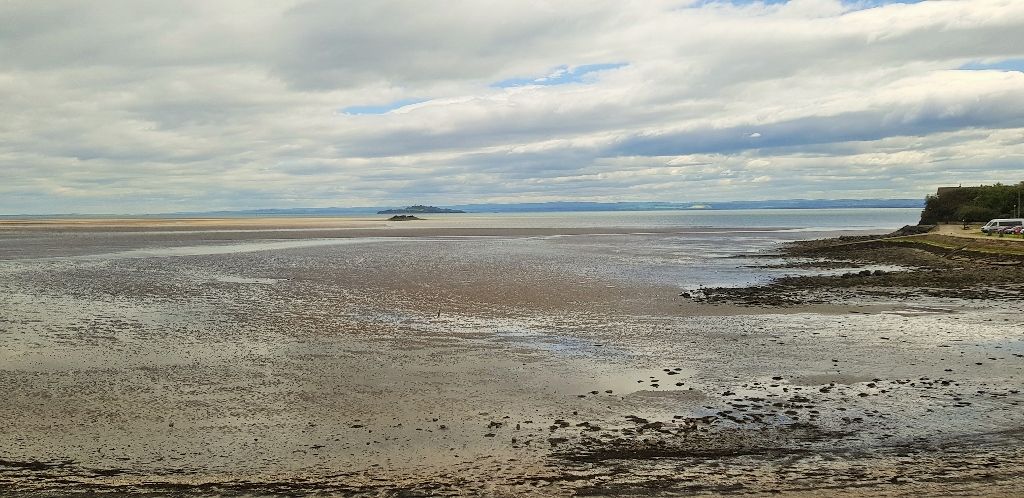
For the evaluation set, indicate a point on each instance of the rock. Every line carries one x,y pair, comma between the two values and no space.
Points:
912,230
419,209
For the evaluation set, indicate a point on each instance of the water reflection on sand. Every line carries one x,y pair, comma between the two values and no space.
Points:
442,363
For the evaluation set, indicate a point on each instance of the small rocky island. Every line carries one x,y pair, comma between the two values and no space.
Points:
419,209
404,217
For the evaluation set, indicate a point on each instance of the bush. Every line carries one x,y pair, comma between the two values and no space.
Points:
972,213
971,204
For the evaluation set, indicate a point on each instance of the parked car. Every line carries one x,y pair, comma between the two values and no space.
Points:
1000,225
1009,230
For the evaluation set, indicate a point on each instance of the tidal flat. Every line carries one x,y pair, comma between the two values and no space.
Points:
358,357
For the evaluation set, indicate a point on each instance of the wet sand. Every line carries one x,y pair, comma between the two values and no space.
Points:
251,359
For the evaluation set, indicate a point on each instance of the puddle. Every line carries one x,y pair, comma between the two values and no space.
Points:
208,250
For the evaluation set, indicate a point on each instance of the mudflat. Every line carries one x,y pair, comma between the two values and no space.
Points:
322,357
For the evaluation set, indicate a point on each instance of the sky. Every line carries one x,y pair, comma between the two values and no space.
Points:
143,106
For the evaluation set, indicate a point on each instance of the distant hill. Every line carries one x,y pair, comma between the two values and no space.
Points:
419,209
314,211
675,206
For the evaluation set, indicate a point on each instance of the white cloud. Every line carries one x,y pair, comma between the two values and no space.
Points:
154,106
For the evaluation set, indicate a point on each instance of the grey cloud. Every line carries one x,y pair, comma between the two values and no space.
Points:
329,44
126,34
213,105
815,130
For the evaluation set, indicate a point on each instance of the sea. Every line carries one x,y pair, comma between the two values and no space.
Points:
743,219
685,249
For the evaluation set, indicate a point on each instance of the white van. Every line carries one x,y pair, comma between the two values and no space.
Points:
1002,223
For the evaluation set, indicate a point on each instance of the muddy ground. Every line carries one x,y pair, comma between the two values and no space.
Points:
134,363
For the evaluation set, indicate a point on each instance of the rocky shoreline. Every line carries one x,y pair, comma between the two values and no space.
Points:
929,265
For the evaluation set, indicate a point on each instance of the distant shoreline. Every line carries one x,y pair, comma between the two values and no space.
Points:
372,214
540,207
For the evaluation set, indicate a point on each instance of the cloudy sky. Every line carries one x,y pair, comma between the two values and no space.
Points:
155,106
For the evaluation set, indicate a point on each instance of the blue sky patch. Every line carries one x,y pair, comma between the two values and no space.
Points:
380,109
1006,65
561,75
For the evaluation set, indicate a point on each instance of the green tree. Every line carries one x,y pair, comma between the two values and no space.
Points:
972,204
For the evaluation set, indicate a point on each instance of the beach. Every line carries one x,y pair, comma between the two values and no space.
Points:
505,357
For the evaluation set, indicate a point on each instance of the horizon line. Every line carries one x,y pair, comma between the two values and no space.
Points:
672,205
